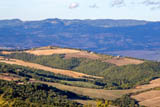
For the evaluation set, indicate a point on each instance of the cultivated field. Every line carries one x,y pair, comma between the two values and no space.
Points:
52,51
70,53
113,94
102,93
54,70
149,98
92,93
114,60
124,61
82,54
6,52
153,84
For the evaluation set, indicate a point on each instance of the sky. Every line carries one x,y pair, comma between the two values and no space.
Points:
80,9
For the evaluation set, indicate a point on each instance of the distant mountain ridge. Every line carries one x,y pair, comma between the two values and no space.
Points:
97,22
100,35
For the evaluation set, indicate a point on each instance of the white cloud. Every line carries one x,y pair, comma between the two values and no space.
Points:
154,4
117,3
93,6
73,5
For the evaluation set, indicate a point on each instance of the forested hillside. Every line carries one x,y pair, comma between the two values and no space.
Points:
129,76
33,95
115,83
27,91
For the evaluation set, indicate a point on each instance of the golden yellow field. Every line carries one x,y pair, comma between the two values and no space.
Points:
149,98
52,51
5,52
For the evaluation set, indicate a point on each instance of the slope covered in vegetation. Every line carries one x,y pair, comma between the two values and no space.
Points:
114,77
46,76
33,95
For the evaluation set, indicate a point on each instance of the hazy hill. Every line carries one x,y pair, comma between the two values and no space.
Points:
96,35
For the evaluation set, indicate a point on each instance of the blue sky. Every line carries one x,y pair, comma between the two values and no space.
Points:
80,9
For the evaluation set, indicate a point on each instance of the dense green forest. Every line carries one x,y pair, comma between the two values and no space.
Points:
34,95
128,76
124,101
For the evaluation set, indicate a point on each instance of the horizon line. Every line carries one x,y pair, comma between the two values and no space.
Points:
78,19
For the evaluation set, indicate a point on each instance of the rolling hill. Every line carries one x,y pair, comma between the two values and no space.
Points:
75,77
